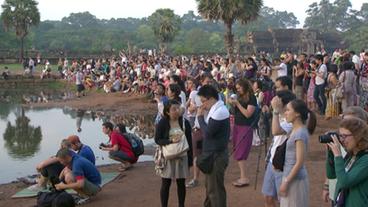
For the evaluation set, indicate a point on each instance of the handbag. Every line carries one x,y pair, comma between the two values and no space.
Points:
278,160
175,150
205,162
160,161
340,90
340,201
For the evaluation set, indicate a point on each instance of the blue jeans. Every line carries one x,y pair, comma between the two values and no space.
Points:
319,96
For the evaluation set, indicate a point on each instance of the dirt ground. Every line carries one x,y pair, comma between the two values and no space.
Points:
139,187
116,103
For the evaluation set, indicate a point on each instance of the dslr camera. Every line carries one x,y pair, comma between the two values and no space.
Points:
327,138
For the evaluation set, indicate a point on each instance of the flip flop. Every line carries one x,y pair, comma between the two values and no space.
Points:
238,184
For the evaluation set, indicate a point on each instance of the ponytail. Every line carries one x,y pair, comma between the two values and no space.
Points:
311,122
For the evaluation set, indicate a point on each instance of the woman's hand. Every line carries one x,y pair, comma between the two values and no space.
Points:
276,104
335,146
326,195
283,188
176,138
200,111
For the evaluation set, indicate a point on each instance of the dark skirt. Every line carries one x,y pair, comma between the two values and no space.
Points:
242,141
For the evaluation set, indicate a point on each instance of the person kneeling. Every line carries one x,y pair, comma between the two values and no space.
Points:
80,174
119,149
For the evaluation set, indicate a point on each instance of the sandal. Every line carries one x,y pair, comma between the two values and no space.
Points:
239,184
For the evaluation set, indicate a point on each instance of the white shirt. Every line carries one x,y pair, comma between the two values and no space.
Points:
321,69
356,60
282,71
278,140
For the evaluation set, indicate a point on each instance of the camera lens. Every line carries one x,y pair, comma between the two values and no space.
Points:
327,138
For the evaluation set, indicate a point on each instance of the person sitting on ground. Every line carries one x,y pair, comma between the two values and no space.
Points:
49,169
81,149
6,73
119,149
80,174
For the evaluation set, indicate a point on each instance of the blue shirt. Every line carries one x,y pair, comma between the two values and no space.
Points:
87,153
82,168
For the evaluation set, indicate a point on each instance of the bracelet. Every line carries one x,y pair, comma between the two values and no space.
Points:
325,187
275,113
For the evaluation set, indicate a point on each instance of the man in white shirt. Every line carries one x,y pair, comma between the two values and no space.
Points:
356,60
282,68
319,91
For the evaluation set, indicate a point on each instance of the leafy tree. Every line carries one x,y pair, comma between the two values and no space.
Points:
165,25
230,12
20,15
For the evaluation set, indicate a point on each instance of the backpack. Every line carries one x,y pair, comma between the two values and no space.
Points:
136,143
55,199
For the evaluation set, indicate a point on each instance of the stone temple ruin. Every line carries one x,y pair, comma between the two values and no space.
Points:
276,41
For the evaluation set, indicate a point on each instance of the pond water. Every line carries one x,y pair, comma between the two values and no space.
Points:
28,136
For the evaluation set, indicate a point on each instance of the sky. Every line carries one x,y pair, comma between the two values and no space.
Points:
107,9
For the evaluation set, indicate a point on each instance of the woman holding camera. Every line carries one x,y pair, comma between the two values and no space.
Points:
244,110
294,189
170,130
350,171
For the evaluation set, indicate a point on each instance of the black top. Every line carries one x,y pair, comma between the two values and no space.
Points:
240,119
162,137
216,134
299,80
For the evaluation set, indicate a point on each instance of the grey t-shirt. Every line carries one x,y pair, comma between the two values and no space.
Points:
290,155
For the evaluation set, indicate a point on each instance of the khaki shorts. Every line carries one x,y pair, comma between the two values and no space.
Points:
90,189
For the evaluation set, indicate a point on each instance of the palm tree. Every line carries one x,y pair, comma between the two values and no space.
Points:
230,11
20,15
165,25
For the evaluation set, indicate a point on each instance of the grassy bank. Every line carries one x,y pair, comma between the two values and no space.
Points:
16,68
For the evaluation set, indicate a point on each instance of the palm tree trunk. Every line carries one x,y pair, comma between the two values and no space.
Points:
21,49
229,38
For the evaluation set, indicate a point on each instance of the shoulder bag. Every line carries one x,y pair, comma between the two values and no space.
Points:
175,150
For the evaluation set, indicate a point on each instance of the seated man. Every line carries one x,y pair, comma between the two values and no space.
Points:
119,149
81,149
49,169
80,174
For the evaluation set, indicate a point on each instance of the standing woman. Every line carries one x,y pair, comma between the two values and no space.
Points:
348,80
244,108
169,130
351,170
294,189
332,109
265,76
299,74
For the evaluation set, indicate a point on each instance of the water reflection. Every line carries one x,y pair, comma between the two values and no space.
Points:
27,96
143,126
80,114
22,140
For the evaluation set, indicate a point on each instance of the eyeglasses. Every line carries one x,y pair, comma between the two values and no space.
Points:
344,136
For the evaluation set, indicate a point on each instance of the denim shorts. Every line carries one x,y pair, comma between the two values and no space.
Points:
120,155
271,181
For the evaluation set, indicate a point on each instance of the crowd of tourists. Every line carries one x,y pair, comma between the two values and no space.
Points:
206,101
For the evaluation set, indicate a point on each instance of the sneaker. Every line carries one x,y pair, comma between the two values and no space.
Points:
192,184
36,188
78,200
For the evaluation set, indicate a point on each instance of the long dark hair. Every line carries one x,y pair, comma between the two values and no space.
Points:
175,88
300,107
247,88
